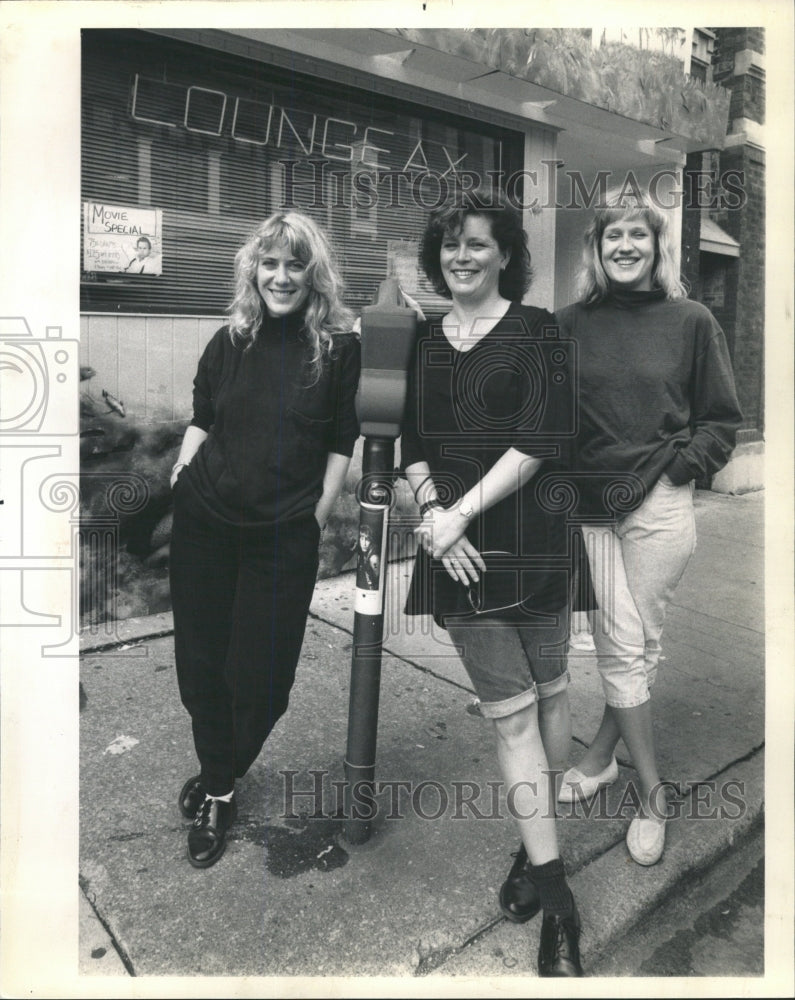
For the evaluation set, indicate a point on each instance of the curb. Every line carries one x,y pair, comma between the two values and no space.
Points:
619,893
123,631
695,844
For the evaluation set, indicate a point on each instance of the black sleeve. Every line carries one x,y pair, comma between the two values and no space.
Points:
345,424
207,376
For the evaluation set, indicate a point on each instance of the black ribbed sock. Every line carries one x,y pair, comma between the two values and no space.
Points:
550,879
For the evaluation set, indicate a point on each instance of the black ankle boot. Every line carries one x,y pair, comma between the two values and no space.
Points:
559,951
519,899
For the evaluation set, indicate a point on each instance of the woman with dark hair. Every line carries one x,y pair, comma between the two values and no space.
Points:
657,410
260,467
484,409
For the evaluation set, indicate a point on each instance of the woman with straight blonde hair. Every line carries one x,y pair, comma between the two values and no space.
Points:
260,467
657,411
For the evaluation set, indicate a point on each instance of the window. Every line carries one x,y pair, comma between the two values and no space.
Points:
217,143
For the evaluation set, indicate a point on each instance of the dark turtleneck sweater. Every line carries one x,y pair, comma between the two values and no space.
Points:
655,394
270,428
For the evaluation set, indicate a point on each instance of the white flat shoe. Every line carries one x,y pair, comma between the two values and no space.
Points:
646,840
576,786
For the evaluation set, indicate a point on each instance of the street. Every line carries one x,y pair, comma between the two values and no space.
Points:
712,926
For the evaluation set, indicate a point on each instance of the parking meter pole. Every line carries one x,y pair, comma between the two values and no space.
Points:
388,333
375,495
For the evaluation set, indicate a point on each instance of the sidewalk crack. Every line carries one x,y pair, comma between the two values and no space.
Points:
120,951
386,651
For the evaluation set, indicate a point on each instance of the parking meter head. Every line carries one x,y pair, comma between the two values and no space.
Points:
389,330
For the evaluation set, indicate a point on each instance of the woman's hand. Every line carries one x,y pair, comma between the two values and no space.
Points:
462,561
413,304
408,301
175,472
441,534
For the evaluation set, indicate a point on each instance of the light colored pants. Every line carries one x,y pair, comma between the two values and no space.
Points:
636,564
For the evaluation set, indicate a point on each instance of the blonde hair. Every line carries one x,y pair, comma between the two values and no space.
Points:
594,285
326,313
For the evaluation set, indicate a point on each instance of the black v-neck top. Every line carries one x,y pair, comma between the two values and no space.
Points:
465,409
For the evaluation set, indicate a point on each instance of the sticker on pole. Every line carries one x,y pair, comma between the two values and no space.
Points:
370,569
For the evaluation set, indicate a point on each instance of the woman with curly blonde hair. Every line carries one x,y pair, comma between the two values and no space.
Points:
325,312
260,467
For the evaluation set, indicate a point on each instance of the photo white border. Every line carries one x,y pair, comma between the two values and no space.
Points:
39,274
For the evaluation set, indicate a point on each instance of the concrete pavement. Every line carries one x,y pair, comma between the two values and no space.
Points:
291,897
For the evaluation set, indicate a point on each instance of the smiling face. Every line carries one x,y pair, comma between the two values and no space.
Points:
628,248
282,280
142,249
471,260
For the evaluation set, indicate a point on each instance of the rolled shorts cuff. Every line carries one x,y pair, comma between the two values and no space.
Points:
550,688
538,692
509,706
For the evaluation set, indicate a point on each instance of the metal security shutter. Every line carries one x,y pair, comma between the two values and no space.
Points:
218,142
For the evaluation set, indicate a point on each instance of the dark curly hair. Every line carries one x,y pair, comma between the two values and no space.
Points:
506,228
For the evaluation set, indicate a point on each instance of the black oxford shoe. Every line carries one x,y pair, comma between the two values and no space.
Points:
559,951
519,899
191,797
207,836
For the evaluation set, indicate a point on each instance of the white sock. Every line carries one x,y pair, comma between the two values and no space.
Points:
222,798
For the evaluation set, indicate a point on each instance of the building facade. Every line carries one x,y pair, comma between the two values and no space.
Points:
190,138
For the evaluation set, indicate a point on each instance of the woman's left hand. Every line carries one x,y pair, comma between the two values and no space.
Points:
413,304
462,561
442,533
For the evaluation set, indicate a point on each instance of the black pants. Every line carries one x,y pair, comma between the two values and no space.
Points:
240,598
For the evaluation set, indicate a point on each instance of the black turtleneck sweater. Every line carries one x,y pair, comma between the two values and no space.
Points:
655,394
269,428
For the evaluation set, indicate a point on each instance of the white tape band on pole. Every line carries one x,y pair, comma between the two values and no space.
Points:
367,602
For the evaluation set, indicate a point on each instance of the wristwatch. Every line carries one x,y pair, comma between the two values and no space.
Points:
465,509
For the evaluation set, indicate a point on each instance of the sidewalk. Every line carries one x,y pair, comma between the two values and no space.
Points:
292,898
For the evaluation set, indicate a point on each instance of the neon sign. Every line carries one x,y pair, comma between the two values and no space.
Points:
208,112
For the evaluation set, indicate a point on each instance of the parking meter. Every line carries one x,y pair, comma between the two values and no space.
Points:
388,334
389,330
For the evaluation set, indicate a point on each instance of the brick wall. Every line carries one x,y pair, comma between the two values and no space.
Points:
747,89
742,312
748,98
748,227
691,229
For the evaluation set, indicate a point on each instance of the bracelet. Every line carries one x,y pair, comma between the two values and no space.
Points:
429,505
419,488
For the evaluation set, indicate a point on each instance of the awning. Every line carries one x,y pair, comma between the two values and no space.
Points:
716,240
